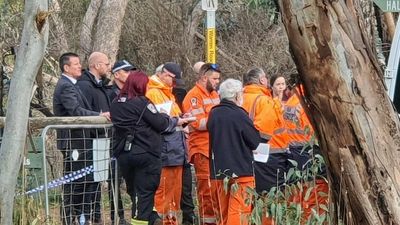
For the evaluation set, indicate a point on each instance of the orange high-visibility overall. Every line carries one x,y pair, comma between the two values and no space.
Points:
299,132
168,196
199,102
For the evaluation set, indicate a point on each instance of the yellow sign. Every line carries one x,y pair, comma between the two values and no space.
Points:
211,50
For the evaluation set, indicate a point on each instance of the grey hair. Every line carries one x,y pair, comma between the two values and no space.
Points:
159,68
230,88
253,76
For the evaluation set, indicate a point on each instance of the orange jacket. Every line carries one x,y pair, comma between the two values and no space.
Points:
298,126
159,93
199,102
266,114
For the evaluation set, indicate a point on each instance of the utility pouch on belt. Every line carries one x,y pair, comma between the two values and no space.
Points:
129,139
128,143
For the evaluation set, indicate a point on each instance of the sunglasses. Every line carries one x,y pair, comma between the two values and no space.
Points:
213,67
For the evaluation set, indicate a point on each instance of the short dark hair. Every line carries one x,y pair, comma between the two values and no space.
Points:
207,67
64,59
253,76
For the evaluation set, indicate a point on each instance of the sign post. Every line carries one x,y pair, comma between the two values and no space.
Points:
392,69
388,5
210,6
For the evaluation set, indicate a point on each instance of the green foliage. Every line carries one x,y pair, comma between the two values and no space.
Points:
278,204
229,183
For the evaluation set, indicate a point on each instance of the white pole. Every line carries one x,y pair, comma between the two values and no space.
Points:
211,37
210,6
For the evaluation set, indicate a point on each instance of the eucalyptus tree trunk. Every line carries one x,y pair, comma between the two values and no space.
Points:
29,58
108,28
390,24
192,22
357,126
59,32
86,42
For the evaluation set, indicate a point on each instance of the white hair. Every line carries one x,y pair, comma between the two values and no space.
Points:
230,88
159,68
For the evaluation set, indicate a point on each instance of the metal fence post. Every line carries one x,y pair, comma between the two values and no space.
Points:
44,135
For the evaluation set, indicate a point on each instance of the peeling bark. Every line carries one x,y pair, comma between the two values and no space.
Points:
41,19
29,58
358,129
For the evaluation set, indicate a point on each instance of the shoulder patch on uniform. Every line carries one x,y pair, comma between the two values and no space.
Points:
152,108
122,99
193,101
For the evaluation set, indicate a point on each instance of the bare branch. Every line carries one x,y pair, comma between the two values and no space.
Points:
198,35
87,25
60,34
108,29
42,108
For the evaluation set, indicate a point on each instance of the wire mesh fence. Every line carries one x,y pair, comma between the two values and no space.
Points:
69,177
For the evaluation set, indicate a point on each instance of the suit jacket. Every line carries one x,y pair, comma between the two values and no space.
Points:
68,100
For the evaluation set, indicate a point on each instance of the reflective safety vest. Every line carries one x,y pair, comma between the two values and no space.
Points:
160,93
266,114
199,102
298,126
139,222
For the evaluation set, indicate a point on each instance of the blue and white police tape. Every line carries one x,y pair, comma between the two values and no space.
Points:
63,180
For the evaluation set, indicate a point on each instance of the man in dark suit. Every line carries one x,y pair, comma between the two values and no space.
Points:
75,144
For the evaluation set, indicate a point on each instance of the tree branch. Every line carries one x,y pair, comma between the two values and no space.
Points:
200,36
60,34
87,25
42,108
42,122
108,29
